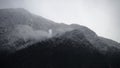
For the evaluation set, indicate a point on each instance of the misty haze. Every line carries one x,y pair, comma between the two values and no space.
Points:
59,34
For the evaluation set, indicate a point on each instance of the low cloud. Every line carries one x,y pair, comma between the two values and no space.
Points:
27,32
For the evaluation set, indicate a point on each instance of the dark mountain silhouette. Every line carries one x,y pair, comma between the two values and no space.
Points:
26,43
70,50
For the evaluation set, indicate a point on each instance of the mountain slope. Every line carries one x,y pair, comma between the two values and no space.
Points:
21,25
70,50
17,24
36,42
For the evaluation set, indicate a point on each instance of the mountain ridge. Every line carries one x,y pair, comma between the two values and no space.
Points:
25,43
26,21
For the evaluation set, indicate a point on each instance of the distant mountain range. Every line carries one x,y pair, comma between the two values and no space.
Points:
31,41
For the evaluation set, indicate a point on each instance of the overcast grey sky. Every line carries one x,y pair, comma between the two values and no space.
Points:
102,16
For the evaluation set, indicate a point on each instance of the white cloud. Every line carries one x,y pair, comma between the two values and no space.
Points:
26,32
